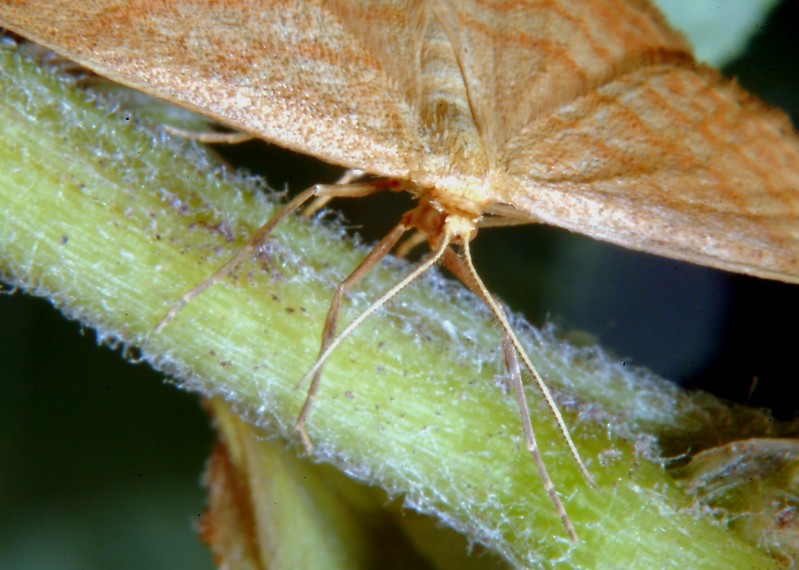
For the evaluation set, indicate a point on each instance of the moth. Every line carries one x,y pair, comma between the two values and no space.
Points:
589,115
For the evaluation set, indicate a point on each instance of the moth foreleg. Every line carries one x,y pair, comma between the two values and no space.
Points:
377,253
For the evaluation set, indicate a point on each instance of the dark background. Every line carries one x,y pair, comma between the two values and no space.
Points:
100,460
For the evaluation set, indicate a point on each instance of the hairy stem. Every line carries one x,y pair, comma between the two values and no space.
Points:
113,223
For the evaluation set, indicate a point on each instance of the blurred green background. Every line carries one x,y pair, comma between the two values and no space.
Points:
100,460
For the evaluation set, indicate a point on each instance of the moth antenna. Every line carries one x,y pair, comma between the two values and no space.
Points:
507,331
315,373
258,237
512,364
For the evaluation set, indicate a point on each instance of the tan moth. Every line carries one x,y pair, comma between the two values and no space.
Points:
588,115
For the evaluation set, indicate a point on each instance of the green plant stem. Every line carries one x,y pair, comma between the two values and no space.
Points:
113,223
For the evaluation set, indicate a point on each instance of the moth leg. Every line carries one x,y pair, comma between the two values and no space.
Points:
463,269
501,222
320,202
377,253
410,243
502,319
315,373
512,364
258,237
235,137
